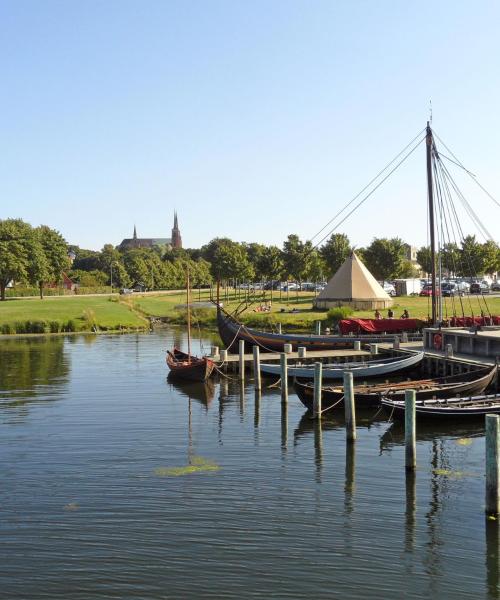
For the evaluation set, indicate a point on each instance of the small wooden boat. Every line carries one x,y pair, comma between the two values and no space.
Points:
185,366
373,368
471,407
368,395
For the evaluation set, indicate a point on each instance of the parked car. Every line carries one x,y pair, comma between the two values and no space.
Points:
462,285
427,291
388,288
126,291
495,286
480,287
451,289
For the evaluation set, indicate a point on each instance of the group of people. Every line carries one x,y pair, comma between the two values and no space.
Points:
390,314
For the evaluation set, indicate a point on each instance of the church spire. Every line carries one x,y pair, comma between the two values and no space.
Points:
176,234
135,233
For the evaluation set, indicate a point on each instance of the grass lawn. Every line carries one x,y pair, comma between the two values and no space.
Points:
103,311
171,308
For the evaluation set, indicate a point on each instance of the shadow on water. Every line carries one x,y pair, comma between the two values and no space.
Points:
32,369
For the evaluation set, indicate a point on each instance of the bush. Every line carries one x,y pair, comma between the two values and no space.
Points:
69,326
7,329
338,313
54,326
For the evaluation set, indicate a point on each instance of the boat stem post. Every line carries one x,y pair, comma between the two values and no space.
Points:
256,367
318,380
242,359
410,431
350,411
492,464
318,328
284,377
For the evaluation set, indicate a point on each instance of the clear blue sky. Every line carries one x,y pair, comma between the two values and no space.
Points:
252,119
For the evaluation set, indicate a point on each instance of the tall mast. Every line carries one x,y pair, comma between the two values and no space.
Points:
188,299
429,144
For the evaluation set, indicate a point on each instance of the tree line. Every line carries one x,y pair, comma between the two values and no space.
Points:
39,255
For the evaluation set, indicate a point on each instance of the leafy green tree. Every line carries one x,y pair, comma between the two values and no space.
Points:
472,255
38,267
384,257
86,260
334,252
491,257
424,259
15,239
56,254
255,252
450,257
231,262
297,257
317,267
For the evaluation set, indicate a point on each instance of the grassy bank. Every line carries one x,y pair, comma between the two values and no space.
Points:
173,308
59,314
106,313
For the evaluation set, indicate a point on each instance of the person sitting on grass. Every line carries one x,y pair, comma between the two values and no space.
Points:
405,314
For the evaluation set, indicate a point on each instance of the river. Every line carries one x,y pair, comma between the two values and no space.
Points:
116,483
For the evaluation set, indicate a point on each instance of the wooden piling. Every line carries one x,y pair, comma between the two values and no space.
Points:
223,355
357,345
395,343
410,431
256,368
287,348
284,377
242,359
278,325
318,328
350,411
302,352
318,380
373,348
492,464
214,351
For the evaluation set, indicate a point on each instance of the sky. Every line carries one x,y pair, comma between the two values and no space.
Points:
252,120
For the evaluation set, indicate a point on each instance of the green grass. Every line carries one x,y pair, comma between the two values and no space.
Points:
129,312
84,312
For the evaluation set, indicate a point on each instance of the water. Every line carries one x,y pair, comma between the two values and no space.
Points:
90,430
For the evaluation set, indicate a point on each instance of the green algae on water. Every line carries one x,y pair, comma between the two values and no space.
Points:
198,464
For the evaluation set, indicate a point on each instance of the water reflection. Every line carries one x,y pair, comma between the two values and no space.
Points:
350,472
492,556
32,368
202,392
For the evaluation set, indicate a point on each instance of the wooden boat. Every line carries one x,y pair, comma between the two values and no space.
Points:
373,368
368,395
472,407
187,366
232,331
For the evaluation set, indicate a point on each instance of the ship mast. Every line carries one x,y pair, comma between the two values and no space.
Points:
429,145
188,300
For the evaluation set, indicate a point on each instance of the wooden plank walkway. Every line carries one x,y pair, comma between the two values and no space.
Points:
266,357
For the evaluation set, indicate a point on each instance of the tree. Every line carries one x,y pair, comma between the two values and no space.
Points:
56,261
335,252
15,240
384,258
297,257
231,262
450,257
424,259
316,268
491,257
472,255
255,252
38,267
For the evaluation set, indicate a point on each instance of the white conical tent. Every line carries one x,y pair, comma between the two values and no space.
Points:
353,285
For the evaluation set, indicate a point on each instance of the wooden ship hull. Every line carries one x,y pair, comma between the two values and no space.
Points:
369,395
232,331
451,409
188,368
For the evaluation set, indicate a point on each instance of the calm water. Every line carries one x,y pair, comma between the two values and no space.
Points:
90,430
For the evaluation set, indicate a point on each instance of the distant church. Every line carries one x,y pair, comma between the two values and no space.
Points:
134,242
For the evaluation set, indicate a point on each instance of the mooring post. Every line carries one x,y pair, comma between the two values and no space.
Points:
410,431
214,351
492,464
256,367
318,327
287,348
242,359
395,343
302,352
357,345
350,411
318,380
278,325
284,377
448,351
404,337
373,348
223,355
